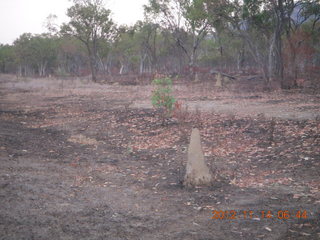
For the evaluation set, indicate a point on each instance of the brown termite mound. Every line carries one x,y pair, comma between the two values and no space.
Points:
197,172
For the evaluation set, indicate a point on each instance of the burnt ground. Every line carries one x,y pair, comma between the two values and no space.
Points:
84,161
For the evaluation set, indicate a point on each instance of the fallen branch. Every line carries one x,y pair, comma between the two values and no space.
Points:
254,77
223,74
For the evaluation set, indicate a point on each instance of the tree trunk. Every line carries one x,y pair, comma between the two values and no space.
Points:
92,64
93,71
254,51
102,65
271,59
279,60
109,65
193,58
42,67
275,51
142,65
20,71
240,59
123,68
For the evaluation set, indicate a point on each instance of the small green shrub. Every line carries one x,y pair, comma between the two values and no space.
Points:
162,96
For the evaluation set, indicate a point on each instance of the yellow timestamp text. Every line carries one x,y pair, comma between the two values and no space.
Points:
263,214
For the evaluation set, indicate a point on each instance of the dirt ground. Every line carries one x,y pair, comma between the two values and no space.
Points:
87,161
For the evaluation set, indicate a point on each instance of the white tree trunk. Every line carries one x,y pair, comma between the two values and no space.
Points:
270,58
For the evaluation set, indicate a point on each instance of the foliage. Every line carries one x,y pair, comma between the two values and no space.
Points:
182,17
7,58
72,57
126,48
278,39
90,23
162,96
35,54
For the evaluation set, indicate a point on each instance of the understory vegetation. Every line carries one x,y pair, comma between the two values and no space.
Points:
162,96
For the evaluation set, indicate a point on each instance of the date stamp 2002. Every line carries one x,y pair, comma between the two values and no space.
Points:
264,214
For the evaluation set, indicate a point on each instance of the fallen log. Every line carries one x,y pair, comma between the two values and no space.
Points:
254,77
222,74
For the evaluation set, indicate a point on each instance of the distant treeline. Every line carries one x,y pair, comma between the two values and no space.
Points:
278,39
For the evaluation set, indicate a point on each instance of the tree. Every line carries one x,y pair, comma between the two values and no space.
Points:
126,49
44,49
35,54
302,37
7,58
262,24
24,55
71,57
50,24
147,35
182,17
196,15
90,23
257,23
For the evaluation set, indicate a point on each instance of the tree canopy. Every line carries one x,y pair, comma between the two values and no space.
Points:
278,39
90,23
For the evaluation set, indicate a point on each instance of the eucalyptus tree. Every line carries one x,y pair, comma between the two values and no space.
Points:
90,22
7,58
126,49
44,48
72,57
24,55
302,37
197,22
147,38
262,25
181,18
35,54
